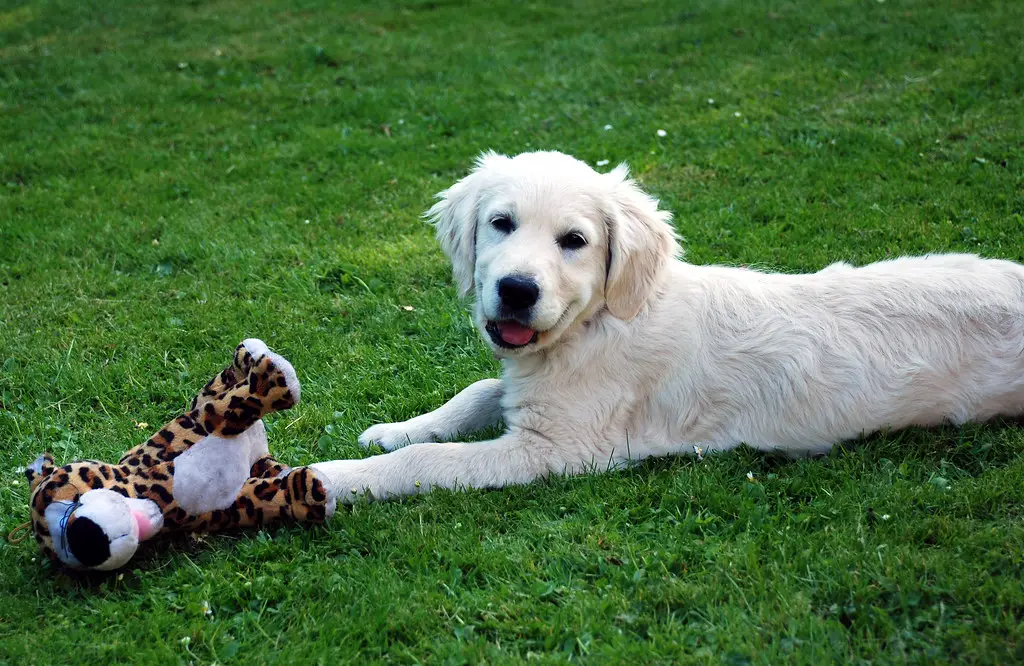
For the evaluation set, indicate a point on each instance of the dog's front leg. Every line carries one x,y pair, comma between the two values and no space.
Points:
508,460
474,408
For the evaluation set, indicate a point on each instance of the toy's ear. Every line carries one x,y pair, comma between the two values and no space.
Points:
40,468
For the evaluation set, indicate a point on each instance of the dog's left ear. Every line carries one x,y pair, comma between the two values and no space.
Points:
454,217
640,244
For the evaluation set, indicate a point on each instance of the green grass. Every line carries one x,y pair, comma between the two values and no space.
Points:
176,176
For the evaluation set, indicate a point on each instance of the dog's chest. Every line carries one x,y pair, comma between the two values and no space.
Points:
572,400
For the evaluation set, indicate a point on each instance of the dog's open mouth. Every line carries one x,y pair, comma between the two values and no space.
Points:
510,334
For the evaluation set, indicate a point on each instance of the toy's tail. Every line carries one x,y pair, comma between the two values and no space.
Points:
257,383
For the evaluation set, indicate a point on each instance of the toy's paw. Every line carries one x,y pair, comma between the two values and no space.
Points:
271,369
255,347
391,436
256,378
309,499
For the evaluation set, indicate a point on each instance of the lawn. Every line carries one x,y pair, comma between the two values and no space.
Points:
177,176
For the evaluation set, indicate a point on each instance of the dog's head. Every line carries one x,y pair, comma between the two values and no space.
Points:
545,242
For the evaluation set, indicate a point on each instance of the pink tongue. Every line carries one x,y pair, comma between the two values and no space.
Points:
515,334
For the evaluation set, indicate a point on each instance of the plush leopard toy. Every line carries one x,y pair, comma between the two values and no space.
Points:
209,469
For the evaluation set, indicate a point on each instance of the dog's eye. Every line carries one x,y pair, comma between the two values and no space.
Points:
503,223
572,241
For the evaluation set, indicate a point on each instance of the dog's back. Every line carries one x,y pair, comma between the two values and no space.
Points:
807,360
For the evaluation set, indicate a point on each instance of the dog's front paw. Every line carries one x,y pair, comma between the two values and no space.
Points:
391,436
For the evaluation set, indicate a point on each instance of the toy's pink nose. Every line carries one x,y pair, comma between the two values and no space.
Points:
146,528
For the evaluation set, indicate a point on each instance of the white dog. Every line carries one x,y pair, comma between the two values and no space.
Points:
615,350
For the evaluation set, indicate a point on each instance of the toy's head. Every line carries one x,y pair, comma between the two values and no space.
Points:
102,530
96,529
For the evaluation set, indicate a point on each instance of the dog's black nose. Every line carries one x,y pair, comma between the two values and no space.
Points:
518,293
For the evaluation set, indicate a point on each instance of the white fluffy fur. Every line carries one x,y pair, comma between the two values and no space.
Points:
641,354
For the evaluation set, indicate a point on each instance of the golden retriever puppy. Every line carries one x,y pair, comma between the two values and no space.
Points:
613,349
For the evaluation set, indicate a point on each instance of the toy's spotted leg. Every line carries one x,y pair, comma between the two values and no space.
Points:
270,385
173,439
247,354
300,495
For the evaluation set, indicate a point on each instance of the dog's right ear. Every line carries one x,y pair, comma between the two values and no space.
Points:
454,217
